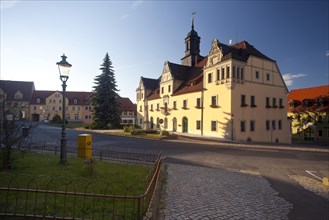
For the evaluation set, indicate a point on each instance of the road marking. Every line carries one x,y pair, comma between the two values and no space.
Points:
312,174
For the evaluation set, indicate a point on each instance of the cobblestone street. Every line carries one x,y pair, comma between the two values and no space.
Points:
196,192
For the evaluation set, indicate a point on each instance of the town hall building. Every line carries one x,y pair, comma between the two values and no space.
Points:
234,93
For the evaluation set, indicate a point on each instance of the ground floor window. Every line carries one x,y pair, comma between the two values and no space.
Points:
280,124
320,133
213,126
198,125
158,123
243,126
273,125
252,125
165,123
267,125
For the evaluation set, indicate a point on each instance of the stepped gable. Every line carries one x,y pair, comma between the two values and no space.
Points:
153,85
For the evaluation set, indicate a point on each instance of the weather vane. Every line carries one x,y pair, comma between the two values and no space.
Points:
193,14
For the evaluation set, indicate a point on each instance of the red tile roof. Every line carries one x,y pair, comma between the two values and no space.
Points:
126,104
309,99
83,98
308,93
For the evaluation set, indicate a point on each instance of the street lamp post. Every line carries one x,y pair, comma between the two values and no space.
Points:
232,128
64,70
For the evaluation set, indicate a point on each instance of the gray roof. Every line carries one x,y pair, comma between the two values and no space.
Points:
12,87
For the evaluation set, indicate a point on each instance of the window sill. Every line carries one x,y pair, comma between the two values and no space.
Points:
185,108
244,105
253,106
214,106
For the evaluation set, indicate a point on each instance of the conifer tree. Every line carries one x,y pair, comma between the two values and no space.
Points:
105,111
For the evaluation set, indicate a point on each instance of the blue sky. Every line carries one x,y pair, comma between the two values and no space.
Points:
141,35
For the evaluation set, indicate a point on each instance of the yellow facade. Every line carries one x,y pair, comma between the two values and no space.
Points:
240,100
46,104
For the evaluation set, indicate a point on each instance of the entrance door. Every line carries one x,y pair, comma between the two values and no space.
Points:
35,117
174,124
185,125
152,124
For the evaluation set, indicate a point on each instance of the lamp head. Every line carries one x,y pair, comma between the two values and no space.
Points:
64,68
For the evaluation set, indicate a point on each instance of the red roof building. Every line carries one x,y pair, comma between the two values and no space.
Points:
308,108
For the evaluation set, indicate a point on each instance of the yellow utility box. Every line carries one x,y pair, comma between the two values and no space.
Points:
85,145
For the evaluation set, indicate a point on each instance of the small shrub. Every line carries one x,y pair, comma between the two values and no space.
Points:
128,128
139,132
56,120
165,133
151,131
134,132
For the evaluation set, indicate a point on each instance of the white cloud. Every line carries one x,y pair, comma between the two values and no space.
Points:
289,77
327,53
7,3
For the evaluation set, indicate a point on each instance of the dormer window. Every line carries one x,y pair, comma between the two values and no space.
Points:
307,103
294,103
75,101
18,95
38,100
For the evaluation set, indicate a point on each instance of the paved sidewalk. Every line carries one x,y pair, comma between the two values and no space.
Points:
196,192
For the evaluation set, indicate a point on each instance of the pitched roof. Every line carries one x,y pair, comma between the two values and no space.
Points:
195,85
83,98
12,87
126,104
309,99
308,93
42,95
184,73
240,51
155,94
150,83
250,50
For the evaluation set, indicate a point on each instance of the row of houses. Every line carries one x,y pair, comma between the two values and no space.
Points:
25,102
233,93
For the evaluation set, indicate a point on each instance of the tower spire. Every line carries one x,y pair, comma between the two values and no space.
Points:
193,14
